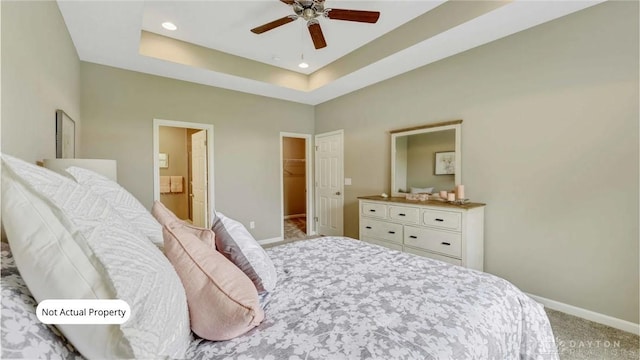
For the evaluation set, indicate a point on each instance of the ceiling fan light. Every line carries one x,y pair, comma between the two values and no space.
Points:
169,26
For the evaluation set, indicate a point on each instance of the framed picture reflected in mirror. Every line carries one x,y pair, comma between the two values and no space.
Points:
445,163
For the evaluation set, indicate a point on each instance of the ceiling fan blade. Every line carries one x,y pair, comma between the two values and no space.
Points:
353,15
288,2
274,24
316,35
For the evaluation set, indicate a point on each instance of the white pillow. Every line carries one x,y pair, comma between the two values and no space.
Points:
415,190
33,229
69,243
121,200
236,244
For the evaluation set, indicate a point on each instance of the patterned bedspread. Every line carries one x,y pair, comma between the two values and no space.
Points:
339,298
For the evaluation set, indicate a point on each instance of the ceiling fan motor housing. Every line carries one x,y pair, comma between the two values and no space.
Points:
308,9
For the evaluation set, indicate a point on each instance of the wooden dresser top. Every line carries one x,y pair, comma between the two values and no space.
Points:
401,200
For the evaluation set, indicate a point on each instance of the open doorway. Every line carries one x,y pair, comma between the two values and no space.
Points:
183,169
296,184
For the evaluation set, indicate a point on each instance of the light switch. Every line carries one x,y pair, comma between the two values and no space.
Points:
347,181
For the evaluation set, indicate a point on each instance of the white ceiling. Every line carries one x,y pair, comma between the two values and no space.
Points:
108,33
225,25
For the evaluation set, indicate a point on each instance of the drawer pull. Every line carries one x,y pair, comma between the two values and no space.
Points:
413,236
392,232
372,210
441,220
402,214
368,227
445,243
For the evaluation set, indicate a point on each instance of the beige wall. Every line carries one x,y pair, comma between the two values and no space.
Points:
40,73
173,142
294,176
119,106
549,142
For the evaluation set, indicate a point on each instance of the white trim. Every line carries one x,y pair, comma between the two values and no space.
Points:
295,216
156,150
309,174
270,241
588,314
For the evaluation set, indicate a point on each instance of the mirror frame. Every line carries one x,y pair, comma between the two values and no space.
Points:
447,125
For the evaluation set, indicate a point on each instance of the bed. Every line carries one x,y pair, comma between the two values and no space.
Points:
340,298
326,298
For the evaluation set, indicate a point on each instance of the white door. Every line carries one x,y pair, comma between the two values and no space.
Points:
199,178
329,183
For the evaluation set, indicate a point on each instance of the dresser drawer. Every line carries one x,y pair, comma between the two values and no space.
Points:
442,242
381,230
374,210
405,214
431,255
389,245
442,219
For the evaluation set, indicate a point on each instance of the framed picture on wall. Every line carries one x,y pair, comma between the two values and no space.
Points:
445,163
65,136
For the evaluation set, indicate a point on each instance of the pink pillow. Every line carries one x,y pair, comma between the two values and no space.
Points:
223,302
163,214
167,217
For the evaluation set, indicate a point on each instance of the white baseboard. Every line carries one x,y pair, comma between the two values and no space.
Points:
588,314
294,216
269,241
277,239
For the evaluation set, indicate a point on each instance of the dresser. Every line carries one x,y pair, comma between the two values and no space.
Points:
434,229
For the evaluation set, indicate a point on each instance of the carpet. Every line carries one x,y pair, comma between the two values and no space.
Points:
578,338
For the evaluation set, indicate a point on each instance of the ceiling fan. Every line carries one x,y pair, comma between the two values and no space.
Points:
309,10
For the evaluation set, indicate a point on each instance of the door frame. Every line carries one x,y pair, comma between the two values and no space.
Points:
317,174
309,183
210,171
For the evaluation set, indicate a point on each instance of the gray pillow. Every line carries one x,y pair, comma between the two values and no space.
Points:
236,244
415,190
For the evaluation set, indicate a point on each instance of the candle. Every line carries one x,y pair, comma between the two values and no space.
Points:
451,196
443,194
460,192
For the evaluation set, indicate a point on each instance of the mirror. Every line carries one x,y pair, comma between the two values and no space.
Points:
426,157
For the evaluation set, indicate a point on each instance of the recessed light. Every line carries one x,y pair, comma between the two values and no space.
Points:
275,58
169,26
